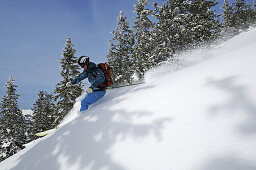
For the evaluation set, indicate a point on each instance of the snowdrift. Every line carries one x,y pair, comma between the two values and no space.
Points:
198,118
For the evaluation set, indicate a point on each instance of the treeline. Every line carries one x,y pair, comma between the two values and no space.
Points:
48,110
159,33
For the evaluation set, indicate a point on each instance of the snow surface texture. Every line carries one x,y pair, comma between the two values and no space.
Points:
198,118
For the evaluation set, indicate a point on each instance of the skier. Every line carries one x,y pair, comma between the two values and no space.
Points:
95,76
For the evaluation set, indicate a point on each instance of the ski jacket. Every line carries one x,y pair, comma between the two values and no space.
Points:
95,77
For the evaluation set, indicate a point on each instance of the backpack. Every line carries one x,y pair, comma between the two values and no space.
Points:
107,73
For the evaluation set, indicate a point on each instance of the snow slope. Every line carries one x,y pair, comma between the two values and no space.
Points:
198,118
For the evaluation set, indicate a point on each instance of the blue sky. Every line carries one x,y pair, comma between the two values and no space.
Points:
33,34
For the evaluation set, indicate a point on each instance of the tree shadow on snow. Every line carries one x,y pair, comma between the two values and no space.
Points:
229,163
238,100
87,142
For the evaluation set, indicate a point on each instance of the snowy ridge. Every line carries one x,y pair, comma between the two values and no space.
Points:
198,118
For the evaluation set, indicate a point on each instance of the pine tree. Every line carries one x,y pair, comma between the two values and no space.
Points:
254,14
227,15
143,26
161,34
28,118
43,115
251,14
12,123
254,7
183,25
66,96
180,20
240,15
204,24
228,20
121,48
170,33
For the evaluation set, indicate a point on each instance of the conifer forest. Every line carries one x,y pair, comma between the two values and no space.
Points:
159,32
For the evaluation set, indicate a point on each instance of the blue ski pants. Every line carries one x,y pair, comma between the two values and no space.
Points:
91,98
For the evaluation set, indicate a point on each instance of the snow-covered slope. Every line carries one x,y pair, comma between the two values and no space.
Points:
199,118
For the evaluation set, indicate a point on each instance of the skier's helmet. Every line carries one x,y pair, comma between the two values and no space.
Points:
84,60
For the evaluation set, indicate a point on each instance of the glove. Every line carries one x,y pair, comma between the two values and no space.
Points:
68,84
89,90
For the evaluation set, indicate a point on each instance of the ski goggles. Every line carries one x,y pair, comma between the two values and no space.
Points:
82,65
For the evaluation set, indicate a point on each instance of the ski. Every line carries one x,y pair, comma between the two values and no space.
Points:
127,85
44,133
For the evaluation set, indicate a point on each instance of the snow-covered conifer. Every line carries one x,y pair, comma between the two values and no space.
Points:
254,14
65,96
162,49
254,7
240,15
43,115
228,20
121,48
28,119
251,14
170,33
12,125
143,26
204,24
